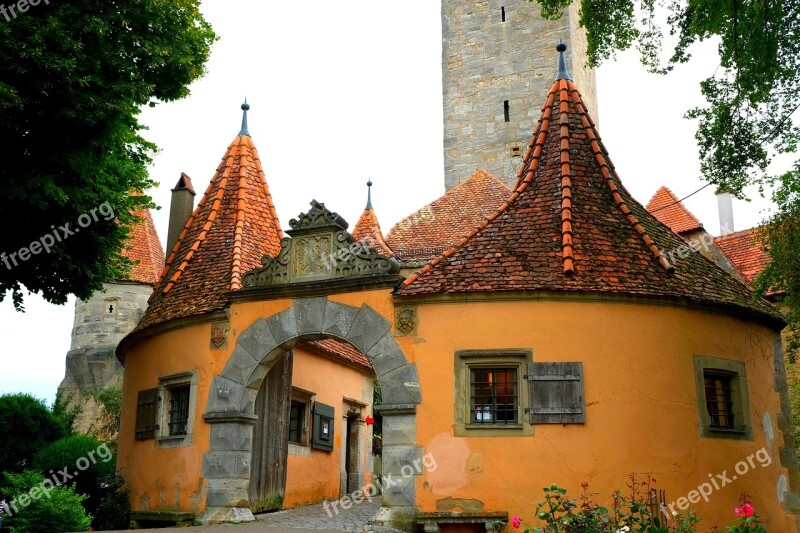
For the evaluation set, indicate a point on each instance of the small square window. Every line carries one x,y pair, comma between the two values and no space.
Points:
178,409
177,396
491,392
494,396
722,399
718,399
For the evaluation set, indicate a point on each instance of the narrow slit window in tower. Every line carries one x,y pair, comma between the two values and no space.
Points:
506,111
503,14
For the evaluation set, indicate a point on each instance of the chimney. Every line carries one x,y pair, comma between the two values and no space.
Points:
725,207
180,209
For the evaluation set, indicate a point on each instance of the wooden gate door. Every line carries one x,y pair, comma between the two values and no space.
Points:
271,438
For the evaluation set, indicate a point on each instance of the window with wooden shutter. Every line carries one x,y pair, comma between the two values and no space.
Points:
555,392
146,414
322,438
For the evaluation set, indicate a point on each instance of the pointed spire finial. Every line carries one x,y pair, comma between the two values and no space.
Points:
369,195
563,73
245,107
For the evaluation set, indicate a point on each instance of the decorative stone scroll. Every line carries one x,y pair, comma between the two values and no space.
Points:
320,248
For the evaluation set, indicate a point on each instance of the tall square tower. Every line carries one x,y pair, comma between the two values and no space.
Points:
498,61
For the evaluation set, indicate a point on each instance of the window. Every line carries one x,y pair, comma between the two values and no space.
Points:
506,111
490,392
722,400
718,399
297,416
493,395
176,406
503,14
178,409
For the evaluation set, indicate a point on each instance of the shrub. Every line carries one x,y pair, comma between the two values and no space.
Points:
114,511
27,427
50,461
60,511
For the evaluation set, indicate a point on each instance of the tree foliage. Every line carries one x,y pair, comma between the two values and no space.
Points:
73,79
27,427
751,100
105,427
61,511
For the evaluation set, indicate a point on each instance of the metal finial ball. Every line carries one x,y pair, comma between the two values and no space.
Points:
561,46
245,106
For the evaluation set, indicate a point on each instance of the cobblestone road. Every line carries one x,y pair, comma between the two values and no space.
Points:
307,519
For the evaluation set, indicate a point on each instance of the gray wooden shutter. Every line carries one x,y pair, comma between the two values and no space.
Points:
555,393
146,414
322,437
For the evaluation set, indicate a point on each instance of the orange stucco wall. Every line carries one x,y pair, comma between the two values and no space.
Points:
317,477
167,478
641,406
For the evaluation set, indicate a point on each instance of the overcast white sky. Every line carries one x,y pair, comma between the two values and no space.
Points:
346,91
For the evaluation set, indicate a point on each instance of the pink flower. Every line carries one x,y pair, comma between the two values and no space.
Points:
747,510
737,511
515,522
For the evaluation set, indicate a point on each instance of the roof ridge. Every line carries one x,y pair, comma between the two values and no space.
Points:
738,233
596,146
236,262
148,222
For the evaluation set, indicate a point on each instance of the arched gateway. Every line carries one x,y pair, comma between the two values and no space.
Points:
231,403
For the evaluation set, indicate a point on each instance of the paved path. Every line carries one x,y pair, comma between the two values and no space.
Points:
307,519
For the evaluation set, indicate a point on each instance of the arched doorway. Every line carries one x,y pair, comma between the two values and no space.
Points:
232,399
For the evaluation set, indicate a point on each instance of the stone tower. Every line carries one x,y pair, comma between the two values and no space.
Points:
105,318
497,61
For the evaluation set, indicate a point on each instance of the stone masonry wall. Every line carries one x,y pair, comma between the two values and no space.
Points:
100,323
486,62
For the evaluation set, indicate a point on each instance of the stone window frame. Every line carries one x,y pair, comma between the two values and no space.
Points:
743,428
306,397
165,383
464,361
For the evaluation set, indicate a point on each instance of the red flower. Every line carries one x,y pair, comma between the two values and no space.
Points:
747,510
515,522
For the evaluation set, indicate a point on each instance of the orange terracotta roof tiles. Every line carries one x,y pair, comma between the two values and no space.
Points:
442,223
144,247
570,225
744,250
232,227
368,230
341,350
671,212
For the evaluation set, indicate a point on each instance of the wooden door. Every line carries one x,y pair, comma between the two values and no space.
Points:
271,438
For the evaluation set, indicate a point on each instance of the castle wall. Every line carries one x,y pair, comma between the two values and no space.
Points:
486,62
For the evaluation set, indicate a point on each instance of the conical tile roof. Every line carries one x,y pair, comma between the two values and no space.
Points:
144,247
443,222
570,225
368,230
232,227
671,212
